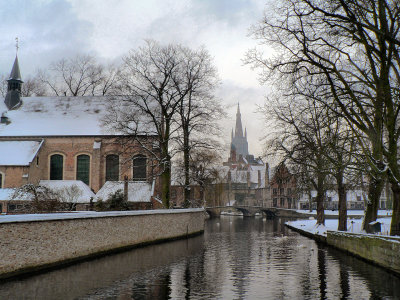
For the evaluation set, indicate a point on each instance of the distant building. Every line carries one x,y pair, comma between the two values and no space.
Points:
283,188
247,178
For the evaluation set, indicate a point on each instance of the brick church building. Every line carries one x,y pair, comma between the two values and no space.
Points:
65,138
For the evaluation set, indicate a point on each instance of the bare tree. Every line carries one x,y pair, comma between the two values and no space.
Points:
152,80
300,137
33,86
43,198
354,45
199,110
79,76
69,196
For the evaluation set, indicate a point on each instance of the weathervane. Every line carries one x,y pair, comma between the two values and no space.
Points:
16,44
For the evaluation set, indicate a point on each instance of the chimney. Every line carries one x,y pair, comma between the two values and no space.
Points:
4,119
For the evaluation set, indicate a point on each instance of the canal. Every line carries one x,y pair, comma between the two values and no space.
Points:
236,258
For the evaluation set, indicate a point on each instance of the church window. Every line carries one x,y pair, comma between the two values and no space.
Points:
139,168
83,168
56,167
112,167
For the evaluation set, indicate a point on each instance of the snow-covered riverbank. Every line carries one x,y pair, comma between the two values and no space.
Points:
353,226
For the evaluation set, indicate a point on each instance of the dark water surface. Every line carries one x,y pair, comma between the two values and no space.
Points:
236,258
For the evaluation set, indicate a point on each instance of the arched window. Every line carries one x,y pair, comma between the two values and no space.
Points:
139,168
83,168
112,167
56,167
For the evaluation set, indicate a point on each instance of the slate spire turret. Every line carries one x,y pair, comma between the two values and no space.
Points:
13,97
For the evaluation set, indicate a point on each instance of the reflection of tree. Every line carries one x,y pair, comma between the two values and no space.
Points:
344,282
379,282
322,272
241,258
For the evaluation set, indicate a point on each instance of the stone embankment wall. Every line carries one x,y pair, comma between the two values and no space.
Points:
38,242
381,250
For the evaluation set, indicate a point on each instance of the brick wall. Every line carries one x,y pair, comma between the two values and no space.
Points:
31,245
70,148
384,251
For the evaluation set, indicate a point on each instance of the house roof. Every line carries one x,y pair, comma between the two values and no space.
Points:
8,193
137,191
83,193
18,153
67,116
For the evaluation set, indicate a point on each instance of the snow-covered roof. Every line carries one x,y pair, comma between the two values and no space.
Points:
18,153
137,191
74,191
61,116
8,193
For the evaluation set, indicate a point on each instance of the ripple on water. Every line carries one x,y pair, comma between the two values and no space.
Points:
236,258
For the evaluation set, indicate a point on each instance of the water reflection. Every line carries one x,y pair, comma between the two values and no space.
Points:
236,258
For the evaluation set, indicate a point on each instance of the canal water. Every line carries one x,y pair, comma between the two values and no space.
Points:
236,258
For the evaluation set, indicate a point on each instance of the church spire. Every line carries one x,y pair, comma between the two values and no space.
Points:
13,97
238,128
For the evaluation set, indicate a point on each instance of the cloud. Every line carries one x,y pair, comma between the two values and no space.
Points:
53,29
47,30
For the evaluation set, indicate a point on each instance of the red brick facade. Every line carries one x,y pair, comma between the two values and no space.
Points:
97,148
283,188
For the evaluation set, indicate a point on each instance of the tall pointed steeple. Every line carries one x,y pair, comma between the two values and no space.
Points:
15,72
239,141
13,97
238,128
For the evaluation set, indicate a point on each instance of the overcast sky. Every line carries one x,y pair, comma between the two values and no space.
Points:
52,29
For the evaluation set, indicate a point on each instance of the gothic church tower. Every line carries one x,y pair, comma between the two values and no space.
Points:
239,140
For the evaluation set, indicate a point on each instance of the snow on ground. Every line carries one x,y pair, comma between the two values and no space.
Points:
353,226
89,214
349,212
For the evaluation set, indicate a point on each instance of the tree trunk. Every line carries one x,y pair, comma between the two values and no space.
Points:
342,226
165,186
320,200
374,193
165,175
186,163
395,224
309,201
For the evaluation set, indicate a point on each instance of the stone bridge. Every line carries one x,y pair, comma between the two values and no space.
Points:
247,211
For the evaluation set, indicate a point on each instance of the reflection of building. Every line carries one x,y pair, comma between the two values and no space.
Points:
64,138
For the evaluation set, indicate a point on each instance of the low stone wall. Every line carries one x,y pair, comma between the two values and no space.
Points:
381,250
34,242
